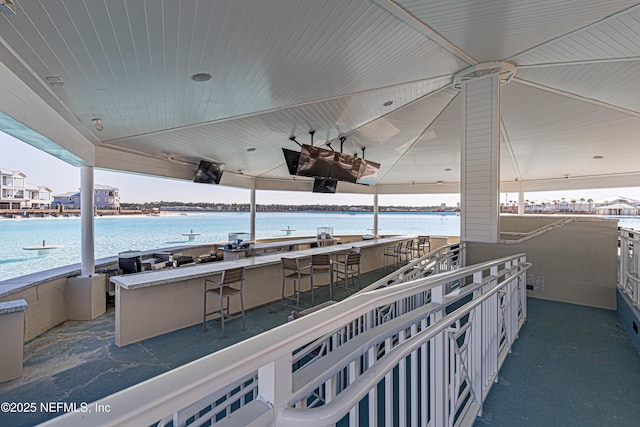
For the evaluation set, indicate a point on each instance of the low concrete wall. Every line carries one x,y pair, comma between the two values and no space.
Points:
12,339
47,307
575,263
86,297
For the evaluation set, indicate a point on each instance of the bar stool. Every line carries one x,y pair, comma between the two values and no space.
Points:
406,249
223,290
350,268
392,256
423,246
322,264
291,270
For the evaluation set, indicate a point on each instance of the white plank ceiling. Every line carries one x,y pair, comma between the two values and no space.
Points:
283,67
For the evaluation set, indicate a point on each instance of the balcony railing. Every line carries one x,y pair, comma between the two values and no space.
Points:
422,352
629,264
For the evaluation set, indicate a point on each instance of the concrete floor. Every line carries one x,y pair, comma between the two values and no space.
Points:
571,366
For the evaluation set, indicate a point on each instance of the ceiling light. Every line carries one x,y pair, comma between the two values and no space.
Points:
251,149
388,103
98,124
447,170
439,182
201,77
598,157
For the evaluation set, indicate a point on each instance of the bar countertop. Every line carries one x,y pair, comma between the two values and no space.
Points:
171,275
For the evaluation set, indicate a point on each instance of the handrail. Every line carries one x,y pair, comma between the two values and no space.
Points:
629,264
426,262
430,263
151,400
537,232
333,411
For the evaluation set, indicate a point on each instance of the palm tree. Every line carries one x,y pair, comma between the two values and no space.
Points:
573,205
581,202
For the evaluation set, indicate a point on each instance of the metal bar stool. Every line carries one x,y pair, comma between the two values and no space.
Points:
392,256
322,264
423,246
349,269
223,290
406,249
291,270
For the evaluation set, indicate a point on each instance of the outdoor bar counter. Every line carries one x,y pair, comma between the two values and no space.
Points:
154,303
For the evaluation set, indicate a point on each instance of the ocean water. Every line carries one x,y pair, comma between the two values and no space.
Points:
118,234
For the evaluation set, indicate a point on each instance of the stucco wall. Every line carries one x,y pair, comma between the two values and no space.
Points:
575,263
47,306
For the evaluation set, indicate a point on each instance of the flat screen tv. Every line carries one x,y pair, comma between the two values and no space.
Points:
315,161
325,185
345,167
368,173
209,172
291,158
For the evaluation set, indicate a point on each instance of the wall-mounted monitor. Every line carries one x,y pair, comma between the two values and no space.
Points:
325,185
368,173
318,162
345,167
291,158
315,161
209,172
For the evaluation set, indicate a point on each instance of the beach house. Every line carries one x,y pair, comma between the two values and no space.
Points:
16,193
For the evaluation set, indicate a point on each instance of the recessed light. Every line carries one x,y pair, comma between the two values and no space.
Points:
598,157
201,77
439,182
251,149
388,103
447,170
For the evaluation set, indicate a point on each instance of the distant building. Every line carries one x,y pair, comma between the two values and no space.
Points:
16,193
617,209
104,197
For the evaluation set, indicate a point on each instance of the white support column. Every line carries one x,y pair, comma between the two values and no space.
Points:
253,214
520,201
375,213
480,160
87,268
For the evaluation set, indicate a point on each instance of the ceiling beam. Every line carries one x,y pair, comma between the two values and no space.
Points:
577,30
577,97
272,110
415,141
507,143
581,62
399,12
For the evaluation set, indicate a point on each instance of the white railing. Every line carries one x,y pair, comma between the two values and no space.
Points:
444,258
430,364
629,264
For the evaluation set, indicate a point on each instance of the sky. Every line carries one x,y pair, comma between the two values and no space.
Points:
44,169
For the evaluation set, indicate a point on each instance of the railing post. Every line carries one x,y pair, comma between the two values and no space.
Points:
634,269
274,385
439,368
